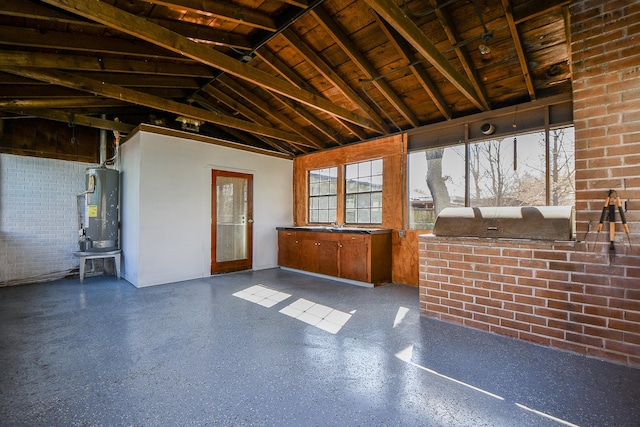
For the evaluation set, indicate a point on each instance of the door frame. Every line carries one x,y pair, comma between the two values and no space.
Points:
235,265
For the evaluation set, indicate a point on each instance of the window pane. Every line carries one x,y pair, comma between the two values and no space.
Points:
322,194
352,186
350,201
332,202
364,200
350,216
351,171
364,169
444,169
562,167
376,167
363,188
376,215
363,216
376,200
508,172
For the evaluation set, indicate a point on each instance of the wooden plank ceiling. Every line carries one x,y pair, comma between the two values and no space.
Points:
290,76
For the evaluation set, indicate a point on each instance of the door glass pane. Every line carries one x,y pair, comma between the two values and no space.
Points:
231,229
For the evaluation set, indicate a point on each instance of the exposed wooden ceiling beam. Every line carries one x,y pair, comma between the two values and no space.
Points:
416,37
140,98
533,9
463,55
298,3
146,30
85,102
294,78
268,110
513,28
247,137
318,124
87,43
78,119
33,10
103,64
328,73
223,10
363,63
26,9
418,71
205,33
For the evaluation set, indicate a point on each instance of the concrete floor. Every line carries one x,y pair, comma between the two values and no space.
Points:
193,353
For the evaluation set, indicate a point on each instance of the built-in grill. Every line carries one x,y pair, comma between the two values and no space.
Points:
529,222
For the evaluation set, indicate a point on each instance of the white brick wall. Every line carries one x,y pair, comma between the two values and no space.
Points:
38,217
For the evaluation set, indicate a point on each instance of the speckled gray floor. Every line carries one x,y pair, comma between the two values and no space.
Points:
191,353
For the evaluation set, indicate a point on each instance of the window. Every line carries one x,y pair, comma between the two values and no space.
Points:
323,190
363,192
511,171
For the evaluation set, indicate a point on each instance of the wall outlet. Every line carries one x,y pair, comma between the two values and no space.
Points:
401,233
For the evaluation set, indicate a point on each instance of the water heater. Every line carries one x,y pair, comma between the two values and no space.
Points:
98,210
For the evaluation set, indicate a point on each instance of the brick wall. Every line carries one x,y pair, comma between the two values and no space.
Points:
554,294
38,217
573,295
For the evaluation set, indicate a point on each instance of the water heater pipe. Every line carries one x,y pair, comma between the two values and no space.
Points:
103,143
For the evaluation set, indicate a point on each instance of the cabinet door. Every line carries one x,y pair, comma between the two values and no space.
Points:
288,251
354,255
308,247
327,257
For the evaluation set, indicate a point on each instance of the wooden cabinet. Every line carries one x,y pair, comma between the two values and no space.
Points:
360,256
288,251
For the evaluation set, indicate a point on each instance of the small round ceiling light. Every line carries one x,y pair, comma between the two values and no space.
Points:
487,128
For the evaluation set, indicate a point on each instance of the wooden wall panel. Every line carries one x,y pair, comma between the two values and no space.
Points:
394,201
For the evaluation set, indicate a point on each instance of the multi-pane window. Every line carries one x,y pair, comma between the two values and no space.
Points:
363,192
510,171
323,190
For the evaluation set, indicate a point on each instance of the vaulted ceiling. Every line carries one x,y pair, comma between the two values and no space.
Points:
290,76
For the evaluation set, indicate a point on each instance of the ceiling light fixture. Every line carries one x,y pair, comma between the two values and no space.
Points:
189,123
484,49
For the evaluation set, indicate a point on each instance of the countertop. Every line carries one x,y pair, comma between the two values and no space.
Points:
329,229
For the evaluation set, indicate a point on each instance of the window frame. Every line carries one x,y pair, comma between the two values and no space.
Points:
374,172
546,131
310,196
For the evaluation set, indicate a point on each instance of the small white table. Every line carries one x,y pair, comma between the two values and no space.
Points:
83,256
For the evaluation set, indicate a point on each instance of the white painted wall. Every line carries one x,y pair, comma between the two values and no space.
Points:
167,205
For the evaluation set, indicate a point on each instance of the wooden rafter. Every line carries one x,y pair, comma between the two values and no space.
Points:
28,9
294,78
140,98
205,33
78,119
391,13
223,10
418,71
268,110
243,136
363,63
112,65
513,28
533,9
146,30
328,73
45,103
86,43
462,54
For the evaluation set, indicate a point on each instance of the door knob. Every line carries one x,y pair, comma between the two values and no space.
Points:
250,221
